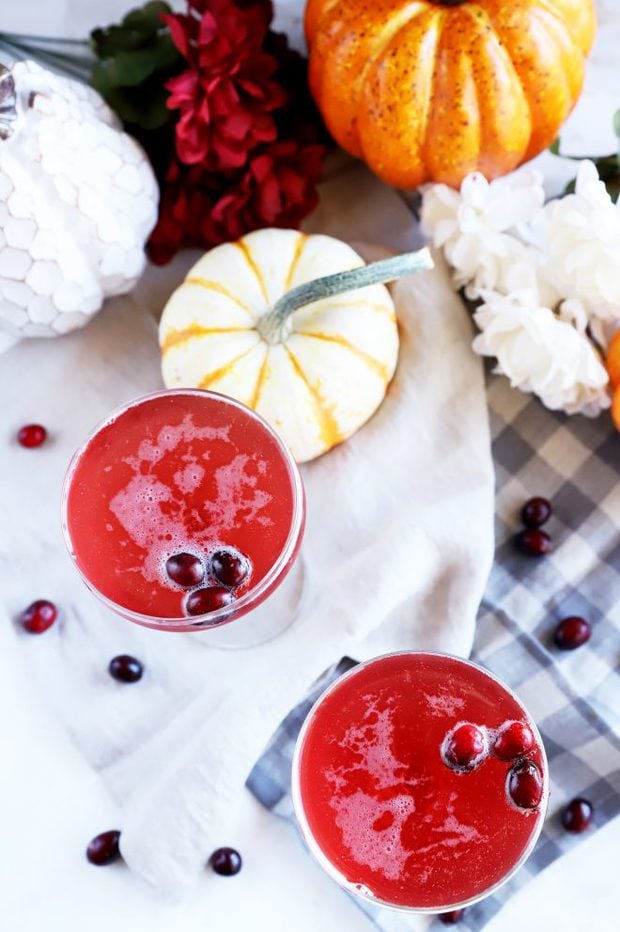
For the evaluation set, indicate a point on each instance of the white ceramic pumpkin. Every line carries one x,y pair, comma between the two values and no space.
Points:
78,199
279,321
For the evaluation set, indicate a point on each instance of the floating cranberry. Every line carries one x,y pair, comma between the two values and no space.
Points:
31,435
533,542
185,569
451,918
465,747
525,784
572,632
125,669
577,816
226,862
39,616
208,599
536,512
514,739
229,568
104,849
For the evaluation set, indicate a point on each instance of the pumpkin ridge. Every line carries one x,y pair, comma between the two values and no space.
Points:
251,261
223,370
178,337
330,432
378,367
300,245
259,382
210,285
554,10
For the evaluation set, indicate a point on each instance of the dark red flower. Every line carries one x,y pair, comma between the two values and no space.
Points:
227,95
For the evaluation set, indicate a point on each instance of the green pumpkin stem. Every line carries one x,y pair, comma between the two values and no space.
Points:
386,270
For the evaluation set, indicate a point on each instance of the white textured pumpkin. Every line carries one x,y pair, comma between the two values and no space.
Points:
316,371
78,199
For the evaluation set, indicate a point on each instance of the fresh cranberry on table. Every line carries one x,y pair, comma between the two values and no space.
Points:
125,669
533,542
536,512
226,862
451,918
185,569
104,849
514,739
229,568
577,816
572,632
465,747
208,599
31,435
39,616
525,785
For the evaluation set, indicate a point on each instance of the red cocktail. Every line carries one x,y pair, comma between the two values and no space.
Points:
184,510
420,782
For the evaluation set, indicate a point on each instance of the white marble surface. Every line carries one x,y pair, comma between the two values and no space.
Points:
48,794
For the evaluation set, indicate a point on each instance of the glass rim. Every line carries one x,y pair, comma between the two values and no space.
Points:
318,853
228,613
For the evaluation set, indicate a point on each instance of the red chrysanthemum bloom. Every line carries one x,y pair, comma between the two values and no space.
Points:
227,95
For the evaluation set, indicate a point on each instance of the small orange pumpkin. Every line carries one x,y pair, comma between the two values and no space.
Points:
430,90
613,367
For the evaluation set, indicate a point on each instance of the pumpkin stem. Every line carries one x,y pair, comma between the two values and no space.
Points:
8,102
270,326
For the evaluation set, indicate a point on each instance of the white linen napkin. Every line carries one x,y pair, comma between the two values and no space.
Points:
396,554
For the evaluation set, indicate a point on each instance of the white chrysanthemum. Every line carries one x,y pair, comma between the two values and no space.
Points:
542,353
482,229
583,244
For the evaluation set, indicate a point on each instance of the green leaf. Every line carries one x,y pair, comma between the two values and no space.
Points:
554,148
616,123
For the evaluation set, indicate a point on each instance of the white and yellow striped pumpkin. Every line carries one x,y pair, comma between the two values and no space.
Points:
315,371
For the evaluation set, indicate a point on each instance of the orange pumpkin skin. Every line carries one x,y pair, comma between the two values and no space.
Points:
430,91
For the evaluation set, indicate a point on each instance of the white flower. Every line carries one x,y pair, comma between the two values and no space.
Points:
583,244
481,230
542,353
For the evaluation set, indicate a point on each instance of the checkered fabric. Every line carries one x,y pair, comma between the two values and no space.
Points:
574,696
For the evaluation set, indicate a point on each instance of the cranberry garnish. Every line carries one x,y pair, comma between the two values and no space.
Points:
533,542
208,599
185,569
577,816
229,568
225,861
514,739
525,784
31,435
103,849
126,669
572,632
39,616
536,512
464,747
451,918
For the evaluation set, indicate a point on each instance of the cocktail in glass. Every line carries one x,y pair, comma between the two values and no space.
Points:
420,782
184,511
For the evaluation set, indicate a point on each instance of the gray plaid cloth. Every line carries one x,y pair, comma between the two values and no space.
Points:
572,695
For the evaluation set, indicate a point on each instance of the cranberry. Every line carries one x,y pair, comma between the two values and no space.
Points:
533,542
39,616
226,861
229,568
451,918
577,816
208,599
103,849
185,569
514,739
525,784
465,747
536,512
572,632
126,669
31,435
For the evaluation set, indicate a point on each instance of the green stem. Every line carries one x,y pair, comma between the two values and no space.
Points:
270,326
18,38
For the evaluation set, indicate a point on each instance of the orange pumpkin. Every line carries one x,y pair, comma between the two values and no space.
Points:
613,367
429,91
